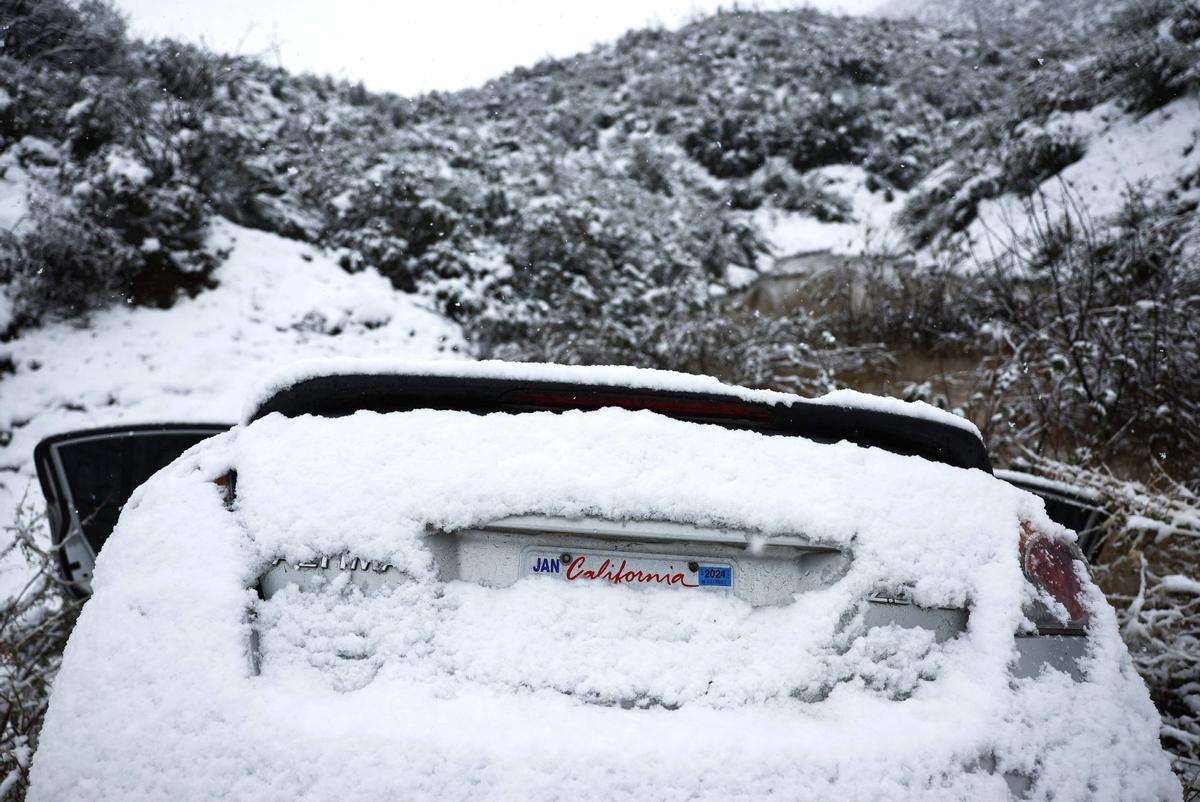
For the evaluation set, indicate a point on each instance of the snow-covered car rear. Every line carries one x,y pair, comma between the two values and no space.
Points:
452,581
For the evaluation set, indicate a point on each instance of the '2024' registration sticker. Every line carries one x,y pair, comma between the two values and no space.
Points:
638,570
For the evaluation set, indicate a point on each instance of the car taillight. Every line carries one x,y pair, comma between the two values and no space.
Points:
228,484
1050,564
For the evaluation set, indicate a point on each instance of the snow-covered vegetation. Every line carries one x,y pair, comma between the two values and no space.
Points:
1011,196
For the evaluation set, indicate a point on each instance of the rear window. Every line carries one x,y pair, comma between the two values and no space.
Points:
103,472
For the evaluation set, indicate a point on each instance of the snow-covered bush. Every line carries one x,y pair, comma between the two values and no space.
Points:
99,117
86,36
1154,57
65,264
595,254
901,157
118,240
828,129
1035,155
394,223
779,186
650,166
1101,318
119,214
576,126
33,101
793,353
727,146
184,71
947,201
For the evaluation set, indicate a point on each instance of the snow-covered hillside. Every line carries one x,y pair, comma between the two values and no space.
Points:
276,301
1122,151
1158,153
993,17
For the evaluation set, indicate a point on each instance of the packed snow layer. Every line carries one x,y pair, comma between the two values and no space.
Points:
595,375
277,301
480,692
870,230
1021,478
1124,151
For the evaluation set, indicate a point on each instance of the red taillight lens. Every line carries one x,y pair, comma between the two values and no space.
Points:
1050,564
228,483
672,407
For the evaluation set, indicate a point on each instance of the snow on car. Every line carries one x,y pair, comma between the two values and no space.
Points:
453,581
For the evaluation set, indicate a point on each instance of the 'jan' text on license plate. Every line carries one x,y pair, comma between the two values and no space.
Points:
639,570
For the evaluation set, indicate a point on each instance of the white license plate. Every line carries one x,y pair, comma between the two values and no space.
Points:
635,570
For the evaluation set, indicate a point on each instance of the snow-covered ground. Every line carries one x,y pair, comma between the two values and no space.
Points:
871,229
277,301
1124,151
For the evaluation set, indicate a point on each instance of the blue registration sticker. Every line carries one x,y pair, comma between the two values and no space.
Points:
716,576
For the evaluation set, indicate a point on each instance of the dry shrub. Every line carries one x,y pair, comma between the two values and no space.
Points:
1100,327
795,353
34,626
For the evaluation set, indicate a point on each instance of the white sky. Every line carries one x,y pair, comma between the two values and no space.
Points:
410,46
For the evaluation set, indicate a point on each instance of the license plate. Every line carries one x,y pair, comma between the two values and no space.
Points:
635,570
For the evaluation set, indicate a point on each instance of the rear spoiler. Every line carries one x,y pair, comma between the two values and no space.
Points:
344,394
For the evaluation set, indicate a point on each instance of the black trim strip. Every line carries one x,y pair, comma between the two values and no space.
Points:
338,395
